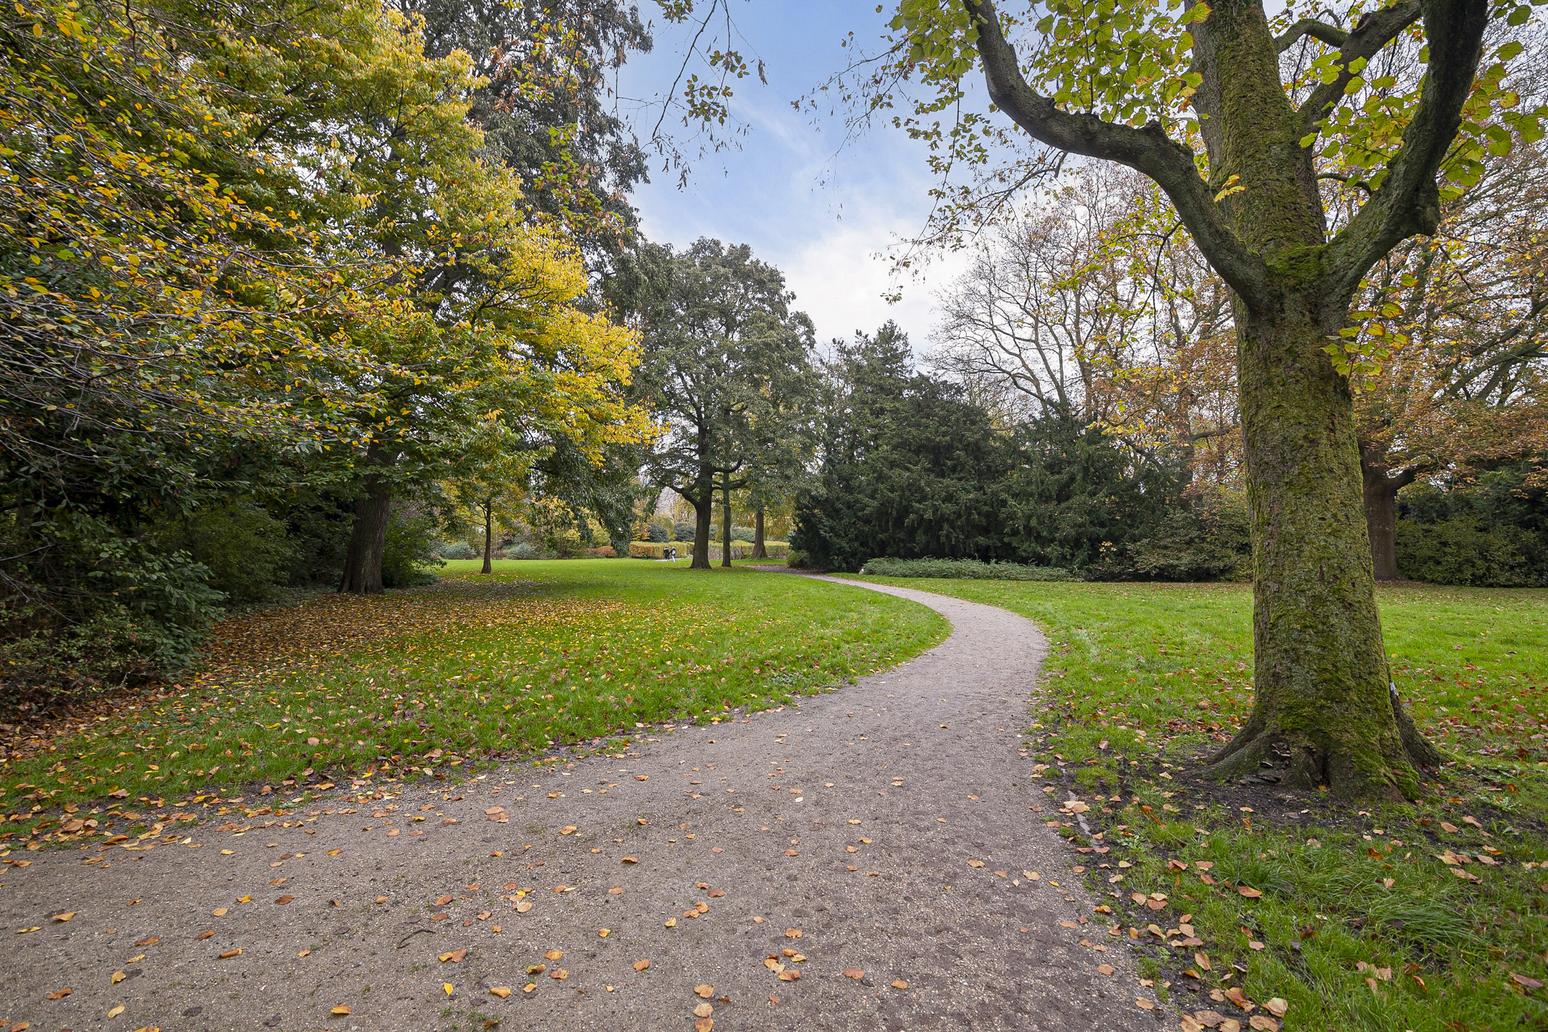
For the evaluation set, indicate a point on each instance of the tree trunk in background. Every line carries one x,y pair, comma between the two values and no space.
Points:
703,509
368,540
725,522
488,536
1381,523
759,550
1324,700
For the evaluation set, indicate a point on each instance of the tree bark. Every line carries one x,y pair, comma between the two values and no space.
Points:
488,536
1381,522
725,522
760,551
367,540
1324,703
703,508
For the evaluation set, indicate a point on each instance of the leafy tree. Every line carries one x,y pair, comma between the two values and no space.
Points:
1234,121
726,369
545,104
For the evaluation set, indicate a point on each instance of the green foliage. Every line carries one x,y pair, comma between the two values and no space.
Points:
970,569
456,550
1204,539
411,553
246,549
1489,533
100,610
912,468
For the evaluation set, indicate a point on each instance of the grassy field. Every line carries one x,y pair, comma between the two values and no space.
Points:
413,682
1424,917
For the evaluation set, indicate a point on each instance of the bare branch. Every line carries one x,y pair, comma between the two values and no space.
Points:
1332,35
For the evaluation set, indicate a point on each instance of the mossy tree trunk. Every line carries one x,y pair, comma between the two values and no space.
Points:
1325,705
1380,486
1325,710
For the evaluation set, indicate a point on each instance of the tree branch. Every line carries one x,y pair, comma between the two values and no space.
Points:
1332,35
1148,150
1373,32
1408,200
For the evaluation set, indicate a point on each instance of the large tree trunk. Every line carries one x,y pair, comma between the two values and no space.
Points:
1324,705
725,523
703,509
760,551
488,536
368,540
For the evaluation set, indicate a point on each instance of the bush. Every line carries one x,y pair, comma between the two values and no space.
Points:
603,552
743,533
245,549
1209,539
89,607
410,551
524,550
456,550
682,530
968,568
659,530
1461,550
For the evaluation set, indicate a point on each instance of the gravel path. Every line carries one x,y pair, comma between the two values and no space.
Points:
875,858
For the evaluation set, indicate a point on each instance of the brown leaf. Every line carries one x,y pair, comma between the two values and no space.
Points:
340,1011
235,951
641,965
704,991
63,917
59,994
454,956
502,991
898,983
1248,891
855,973
1276,1006
703,1010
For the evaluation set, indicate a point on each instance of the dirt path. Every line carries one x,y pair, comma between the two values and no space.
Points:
885,842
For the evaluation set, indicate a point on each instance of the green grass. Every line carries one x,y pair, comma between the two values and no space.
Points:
536,655
1143,678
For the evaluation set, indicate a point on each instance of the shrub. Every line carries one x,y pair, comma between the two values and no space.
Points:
603,552
682,530
651,549
245,549
743,533
89,607
968,568
1461,550
456,550
524,550
659,530
410,551
1209,539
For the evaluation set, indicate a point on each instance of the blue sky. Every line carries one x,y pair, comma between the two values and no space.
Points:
817,207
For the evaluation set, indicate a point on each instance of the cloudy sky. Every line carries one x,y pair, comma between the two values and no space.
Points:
823,210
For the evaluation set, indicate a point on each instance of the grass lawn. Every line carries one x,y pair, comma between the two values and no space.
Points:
1424,917
420,681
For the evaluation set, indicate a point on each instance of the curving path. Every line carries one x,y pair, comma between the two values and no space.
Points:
890,824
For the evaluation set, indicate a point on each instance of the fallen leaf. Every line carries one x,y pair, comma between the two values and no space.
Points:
898,983
855,973
502,991
340,1011
235,951
115,1010
1248,891
704,992
641,965
703,1010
